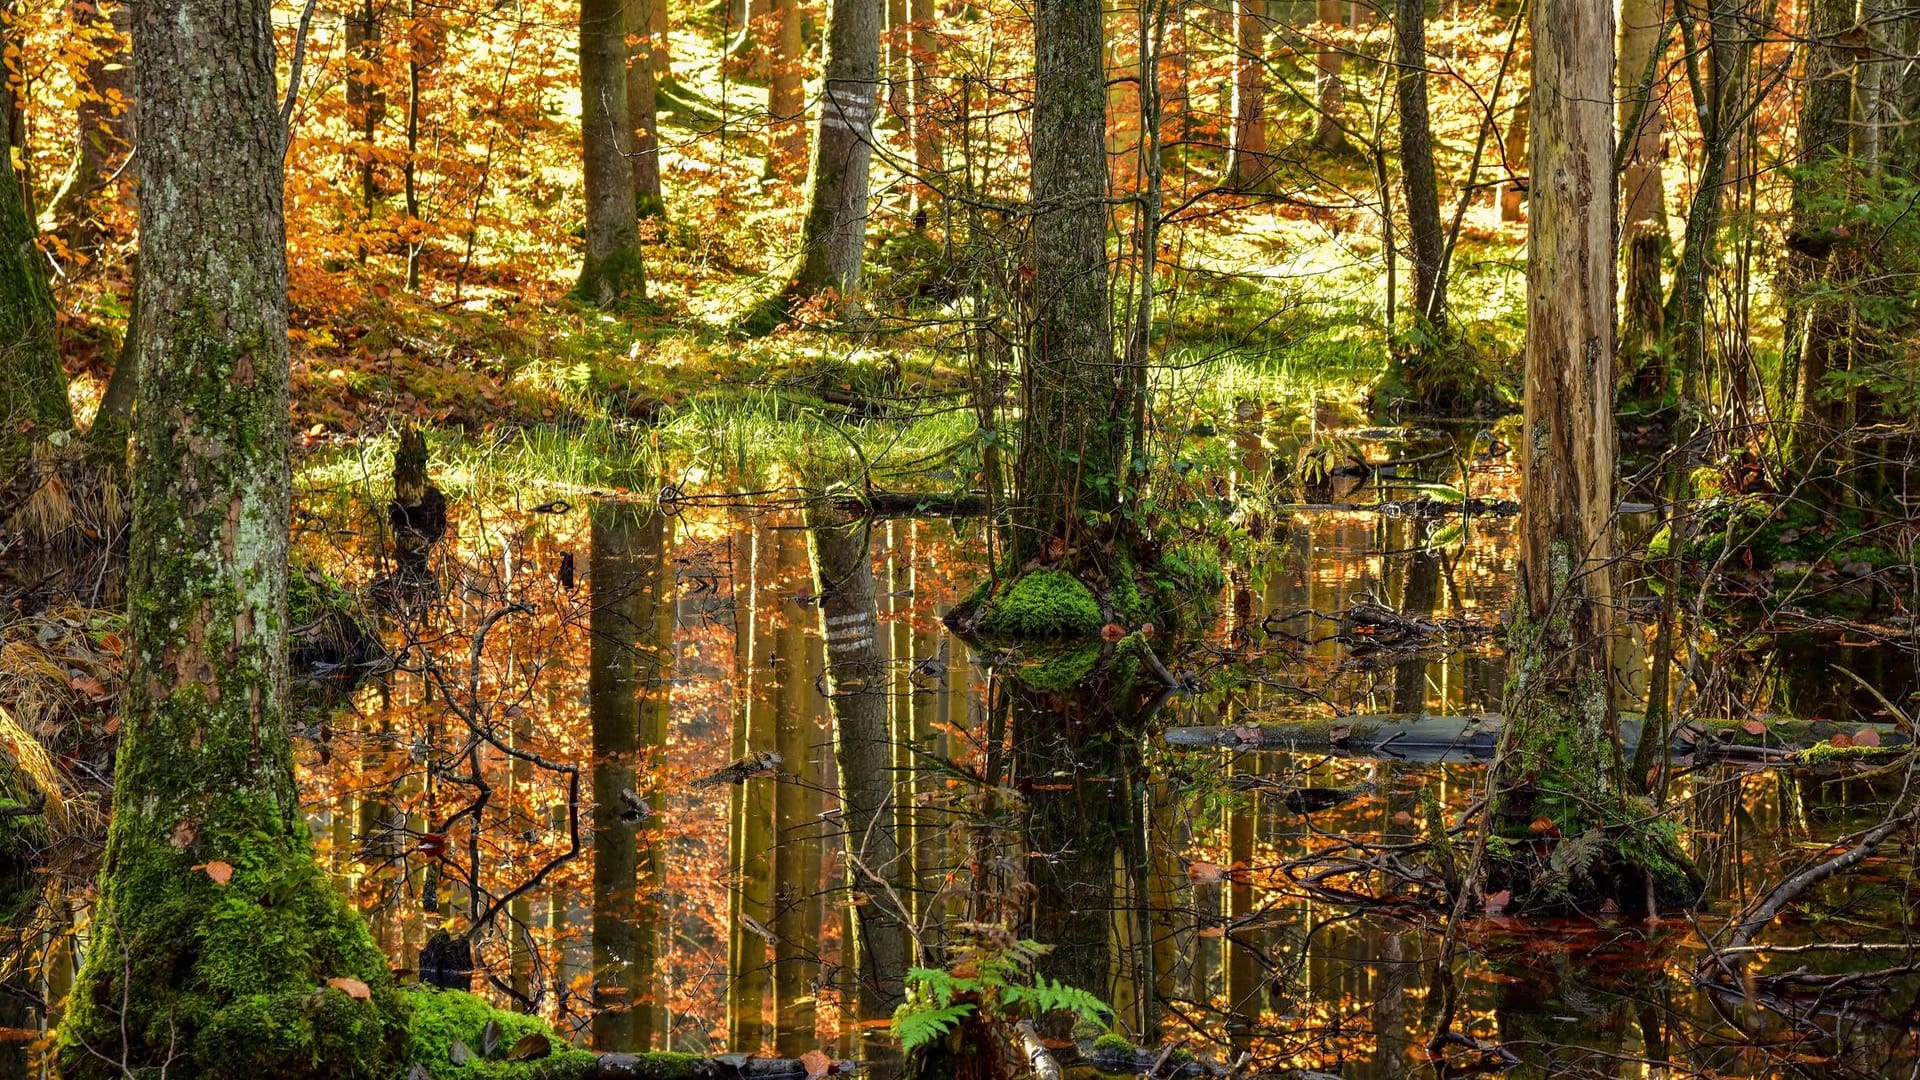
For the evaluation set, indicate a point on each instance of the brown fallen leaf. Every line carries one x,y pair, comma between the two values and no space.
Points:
1754,727
1206,873
1842,740
220,872
351,987
531,1047
1866,736
817,1063
1403,818
1112,632
1497,903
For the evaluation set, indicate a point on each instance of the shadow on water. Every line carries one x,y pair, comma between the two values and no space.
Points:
654,832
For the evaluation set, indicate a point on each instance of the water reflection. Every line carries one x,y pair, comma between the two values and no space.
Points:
705,909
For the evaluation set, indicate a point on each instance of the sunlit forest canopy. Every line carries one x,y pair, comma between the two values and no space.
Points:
959,539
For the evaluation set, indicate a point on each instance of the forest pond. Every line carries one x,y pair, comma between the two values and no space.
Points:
649,660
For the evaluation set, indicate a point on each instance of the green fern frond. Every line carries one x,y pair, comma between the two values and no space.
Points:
916,1025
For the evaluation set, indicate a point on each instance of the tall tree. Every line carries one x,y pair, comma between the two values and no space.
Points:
1816,342
215,934
103,121
1327,88
1247,164
612,271
643,113
1416,162
833,237
1078,400
1643,220
787,93
1560,760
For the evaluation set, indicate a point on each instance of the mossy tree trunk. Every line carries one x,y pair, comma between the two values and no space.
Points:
1818,262
1078,400
215,934
833,237
612,272
1559,773
33,388
627,554
1416,161
857,685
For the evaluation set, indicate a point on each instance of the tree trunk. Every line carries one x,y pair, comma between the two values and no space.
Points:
366,101
750,898
787,94
795,814
627,555
612,272
216,934
857,685
643,115
103,122
1247,164
926,127
33,388
660,29
1327,89
1816,342
1642,121
833,236
1513,193
1416,162
1078,401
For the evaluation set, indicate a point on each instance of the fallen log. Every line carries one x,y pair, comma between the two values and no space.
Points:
722,1067
907,504
1429,739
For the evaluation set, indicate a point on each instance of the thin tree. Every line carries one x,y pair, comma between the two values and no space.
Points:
1327,87
215,935
1560,772
33,388
834,233
103,121
612,271
1422,191
786,94
1643,219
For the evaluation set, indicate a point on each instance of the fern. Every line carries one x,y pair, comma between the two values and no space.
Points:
1046,996
1574,858
919,1024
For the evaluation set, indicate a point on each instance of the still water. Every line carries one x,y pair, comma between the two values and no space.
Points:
604,736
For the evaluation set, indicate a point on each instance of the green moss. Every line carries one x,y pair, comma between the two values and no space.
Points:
1043,604
442,1016
1113,1043
1825,752
1057,667
617,282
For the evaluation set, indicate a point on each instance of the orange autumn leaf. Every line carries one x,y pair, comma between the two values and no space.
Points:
1206,873
353,988
220,872
1866,736
817,1063
1754,727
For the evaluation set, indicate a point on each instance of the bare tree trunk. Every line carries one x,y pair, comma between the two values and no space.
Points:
1416,162
1247,164
786,94
857,684
613,270
366,101
643,114
926,64
1642,122
1513,193
660,29
834,235
749,896
1327,134
209,859
627,542
899,44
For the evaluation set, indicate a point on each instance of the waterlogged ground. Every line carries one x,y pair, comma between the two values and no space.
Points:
630,654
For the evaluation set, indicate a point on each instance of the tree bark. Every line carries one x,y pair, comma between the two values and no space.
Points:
1078,400
833,236
750,899
857,686
643,114
216,934
612,271
1416,162
796,812
1247,164
627,555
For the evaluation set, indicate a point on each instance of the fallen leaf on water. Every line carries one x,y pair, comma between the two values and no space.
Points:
817,1063
351,987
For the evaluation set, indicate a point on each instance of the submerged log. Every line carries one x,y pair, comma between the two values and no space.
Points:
722,1067
1428,739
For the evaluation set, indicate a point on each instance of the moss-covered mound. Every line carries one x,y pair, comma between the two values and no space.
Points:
444,1018
1042,604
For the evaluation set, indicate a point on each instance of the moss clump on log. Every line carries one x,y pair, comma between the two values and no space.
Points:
442,1018
1042,604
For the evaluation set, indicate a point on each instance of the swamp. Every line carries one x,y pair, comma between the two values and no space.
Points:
959,539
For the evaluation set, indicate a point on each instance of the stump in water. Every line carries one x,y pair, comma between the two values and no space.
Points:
417,515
